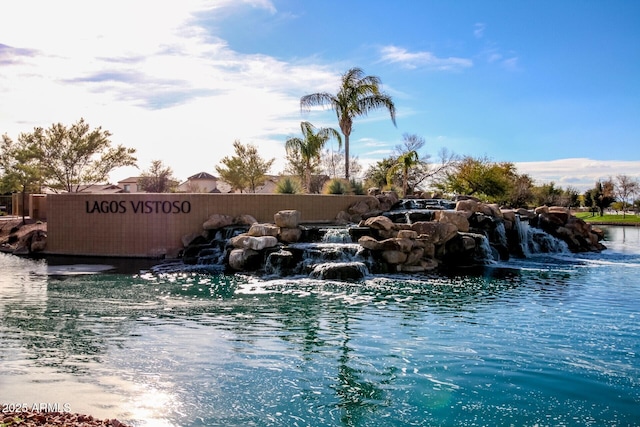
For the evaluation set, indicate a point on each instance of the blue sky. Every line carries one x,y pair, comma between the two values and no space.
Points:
551,86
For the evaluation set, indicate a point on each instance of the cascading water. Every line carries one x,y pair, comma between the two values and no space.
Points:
336,235
533,240
321,260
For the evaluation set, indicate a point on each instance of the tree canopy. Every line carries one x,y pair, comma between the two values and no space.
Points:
601,196
306,152
246,170
73,158
157,179
20,169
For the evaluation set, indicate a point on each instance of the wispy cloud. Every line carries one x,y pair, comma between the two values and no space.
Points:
12,55
581,173
478,30
422,59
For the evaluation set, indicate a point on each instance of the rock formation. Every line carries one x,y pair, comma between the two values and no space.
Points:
398,236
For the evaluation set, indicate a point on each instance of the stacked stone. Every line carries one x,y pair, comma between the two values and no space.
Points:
375,204
406,247
288,221
579,235
248,252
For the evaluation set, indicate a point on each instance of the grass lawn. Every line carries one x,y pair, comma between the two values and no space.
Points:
609,218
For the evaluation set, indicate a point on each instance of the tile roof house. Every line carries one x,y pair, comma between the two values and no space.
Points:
202,182
130,185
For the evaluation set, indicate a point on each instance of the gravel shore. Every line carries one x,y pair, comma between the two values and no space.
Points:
54,419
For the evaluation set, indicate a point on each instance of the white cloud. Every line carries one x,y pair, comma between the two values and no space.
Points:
581,173
478,30
151,76
423,59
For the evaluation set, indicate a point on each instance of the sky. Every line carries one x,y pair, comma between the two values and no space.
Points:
553,87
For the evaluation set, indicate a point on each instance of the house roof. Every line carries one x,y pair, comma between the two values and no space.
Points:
202,175
131,179
101,188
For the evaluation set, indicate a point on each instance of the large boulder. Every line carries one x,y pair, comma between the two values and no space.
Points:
244,220
370,243
287,218
468,205
38,241
256,243
394,257
361,207
436,233
414,257
34,241
457,218
395,244
339,271
379,223
217,221
244,259
290,235
561,213
280,262
258,230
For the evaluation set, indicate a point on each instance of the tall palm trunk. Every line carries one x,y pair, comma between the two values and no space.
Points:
346,156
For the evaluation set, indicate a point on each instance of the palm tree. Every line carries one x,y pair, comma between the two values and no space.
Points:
311,146
358,94
405,162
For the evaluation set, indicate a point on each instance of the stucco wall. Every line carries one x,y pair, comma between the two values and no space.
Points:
152,225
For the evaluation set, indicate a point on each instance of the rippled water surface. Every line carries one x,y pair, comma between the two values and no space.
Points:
550,340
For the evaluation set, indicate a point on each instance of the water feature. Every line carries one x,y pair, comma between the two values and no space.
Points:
551,339
412,210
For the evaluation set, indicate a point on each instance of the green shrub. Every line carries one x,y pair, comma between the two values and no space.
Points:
336,186
357,187
288,186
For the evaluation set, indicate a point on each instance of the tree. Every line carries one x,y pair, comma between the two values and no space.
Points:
358,94
547,194
403,163
480,177
73,158
332,164
20,167
157,179
309,148
625,188
601,196
520,194
245,170
377,174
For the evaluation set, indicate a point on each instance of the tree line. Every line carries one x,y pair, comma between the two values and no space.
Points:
73,158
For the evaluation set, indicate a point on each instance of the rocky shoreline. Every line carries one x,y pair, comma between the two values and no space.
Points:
54,419
22,239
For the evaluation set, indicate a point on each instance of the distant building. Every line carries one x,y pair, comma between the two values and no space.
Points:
130,185
202,182
101,188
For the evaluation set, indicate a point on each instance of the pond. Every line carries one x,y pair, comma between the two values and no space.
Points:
548,340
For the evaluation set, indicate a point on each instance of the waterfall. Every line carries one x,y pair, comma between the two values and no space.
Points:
522,230
534,240
336,235
484,252
342,261
543,242
501,233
